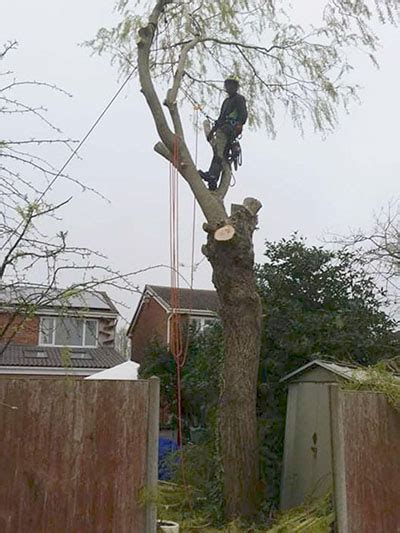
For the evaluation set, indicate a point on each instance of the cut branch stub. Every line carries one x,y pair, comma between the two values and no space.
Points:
162,150
252,205
226,233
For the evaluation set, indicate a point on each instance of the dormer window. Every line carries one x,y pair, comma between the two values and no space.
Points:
68,331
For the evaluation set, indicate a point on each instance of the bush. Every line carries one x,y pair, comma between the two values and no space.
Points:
317,304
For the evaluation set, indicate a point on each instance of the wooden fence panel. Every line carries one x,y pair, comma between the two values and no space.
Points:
74,455
366,462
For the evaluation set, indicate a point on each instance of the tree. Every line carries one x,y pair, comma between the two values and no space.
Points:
34,248
122,342
200,375
380,248
186,46
317,304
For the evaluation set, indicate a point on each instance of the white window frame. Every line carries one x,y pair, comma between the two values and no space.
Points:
42,318
83,345
85,320
200,322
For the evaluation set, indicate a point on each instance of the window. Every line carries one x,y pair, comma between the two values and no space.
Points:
47,330
209,322
90,332
201,323
68,331
35,354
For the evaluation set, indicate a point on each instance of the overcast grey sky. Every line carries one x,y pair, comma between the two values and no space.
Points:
308,185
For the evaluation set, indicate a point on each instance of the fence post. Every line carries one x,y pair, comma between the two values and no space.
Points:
152,453
338,462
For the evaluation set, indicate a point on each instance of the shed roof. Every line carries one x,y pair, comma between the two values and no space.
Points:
343,371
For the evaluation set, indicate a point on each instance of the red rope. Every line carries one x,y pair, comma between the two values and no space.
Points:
196,157
179,349
176,345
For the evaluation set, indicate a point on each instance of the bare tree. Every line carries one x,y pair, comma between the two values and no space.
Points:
379,248
122,342
283,66
34,246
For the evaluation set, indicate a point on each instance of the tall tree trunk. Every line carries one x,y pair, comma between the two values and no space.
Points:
234,278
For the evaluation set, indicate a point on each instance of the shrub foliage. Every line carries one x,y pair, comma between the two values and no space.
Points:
317,304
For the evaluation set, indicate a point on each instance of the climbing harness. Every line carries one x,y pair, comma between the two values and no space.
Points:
234,154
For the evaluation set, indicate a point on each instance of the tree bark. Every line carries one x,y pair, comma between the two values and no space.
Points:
234,279
233,276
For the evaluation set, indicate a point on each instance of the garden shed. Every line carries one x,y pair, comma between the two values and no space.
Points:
307,461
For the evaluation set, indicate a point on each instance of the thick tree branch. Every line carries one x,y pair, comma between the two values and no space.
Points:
172,94
146,36
210,203
180,71
252,205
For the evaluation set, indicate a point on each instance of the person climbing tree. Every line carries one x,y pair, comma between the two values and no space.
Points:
306,72
228,126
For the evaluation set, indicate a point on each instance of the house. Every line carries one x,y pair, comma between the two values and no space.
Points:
50,332
152,319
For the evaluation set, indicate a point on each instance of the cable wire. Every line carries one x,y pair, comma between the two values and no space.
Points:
75,151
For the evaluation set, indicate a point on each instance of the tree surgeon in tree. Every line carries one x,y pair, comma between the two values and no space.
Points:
285,66
228,126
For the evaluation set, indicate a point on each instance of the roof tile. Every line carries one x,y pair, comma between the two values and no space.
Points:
18,355
196,299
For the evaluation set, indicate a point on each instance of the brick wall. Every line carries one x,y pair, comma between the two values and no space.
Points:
22,330
151,325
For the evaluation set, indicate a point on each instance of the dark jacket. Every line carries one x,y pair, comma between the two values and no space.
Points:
233,110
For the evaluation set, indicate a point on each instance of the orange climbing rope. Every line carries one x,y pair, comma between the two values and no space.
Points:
178,345
196,108
175,322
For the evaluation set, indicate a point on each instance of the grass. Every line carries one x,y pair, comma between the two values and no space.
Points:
181,504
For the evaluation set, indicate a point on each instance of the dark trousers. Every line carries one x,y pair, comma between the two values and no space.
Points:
223,139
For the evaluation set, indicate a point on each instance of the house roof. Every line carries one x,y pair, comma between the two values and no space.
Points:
44,356
343,371
55,298
194,299
202,302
